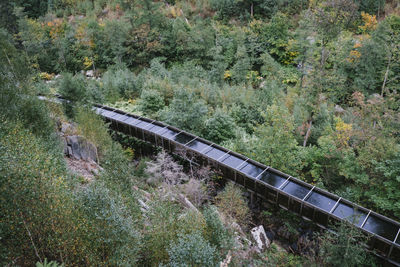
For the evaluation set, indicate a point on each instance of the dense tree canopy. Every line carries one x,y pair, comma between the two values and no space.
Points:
310,87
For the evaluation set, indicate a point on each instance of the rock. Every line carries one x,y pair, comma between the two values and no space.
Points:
260,237
89,73
339,109
65,146
95,172
67,128
80,148
69,151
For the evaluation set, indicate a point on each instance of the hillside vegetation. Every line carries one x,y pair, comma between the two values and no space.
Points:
309,87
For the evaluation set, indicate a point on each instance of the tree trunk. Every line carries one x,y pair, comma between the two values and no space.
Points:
307,133
386,74
251,9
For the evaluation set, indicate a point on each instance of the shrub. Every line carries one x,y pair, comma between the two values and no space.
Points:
114,234
119,83
93,128
216,233
164,224
344,247
164,169
192,250
225,8
72,88
220,127
186,111
18,98
94,91
151,102
38,212
119,172
49,264
246,116
196,191
231,202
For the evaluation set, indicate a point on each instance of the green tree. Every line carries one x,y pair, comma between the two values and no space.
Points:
151,102
216,233
192,250
161,232
242,65
231,202
247,115
220,127
225,8
388,34
72,88
186,111
39,213
342,12
344,247
119,82
275,144
371,6
385,197
18,98
114,232
116,34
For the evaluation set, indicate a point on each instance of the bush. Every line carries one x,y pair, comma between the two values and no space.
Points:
49,264
220,127
73,89
225,8
164,224
93,128
246,116
114,226
231,202
196,191
186,111
344,247
151,102
119,172
18,98
216,233
192,250
94,91
119,83
38,211
165,169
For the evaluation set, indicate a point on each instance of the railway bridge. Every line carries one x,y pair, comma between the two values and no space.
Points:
308,201
269,184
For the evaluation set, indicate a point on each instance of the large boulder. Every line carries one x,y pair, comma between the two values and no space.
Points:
79,148
260,238
66,128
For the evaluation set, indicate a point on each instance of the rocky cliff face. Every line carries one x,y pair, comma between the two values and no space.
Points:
80,154
77,146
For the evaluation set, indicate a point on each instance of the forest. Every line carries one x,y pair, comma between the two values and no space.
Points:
308,87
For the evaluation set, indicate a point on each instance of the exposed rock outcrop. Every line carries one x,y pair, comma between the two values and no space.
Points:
79,148
261,240
76,146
